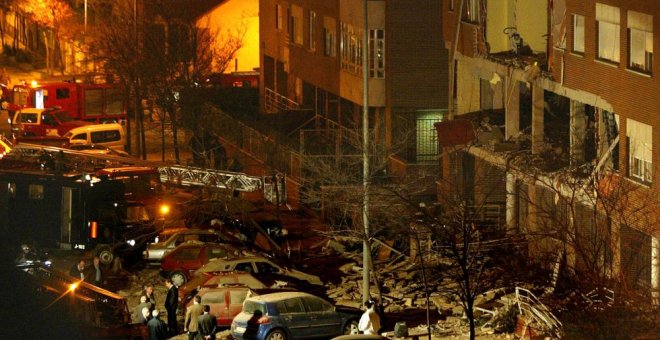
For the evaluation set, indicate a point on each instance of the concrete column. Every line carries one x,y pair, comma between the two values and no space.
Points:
577,129
655,270
511,107
537,119
511,203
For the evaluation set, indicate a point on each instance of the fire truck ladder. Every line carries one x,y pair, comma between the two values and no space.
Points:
175,174
185,175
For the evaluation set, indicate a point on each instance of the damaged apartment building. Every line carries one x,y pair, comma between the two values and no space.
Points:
560,117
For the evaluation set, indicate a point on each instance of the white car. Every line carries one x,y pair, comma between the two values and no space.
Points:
255,264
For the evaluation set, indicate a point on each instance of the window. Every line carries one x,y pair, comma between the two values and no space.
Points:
62,93
105,136
265,267
293,306
640,150
236,297
215,253
295,29
28,118
640,35
578,33
607,26
314,304
471,10
94,102
329,37
377,53
80,136
48,120
451,5
36,192
312,24
278,17
244,267
351,49
213,297
188,254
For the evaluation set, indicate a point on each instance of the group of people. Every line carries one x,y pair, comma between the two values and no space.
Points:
199,323
93,274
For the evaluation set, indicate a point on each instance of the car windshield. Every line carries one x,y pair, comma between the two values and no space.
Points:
135,214
63,116
250,307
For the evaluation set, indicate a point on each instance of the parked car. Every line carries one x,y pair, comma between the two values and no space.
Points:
255,281
215,280
155,251
292,315
43,122
110,135
256,264
226,300
182,261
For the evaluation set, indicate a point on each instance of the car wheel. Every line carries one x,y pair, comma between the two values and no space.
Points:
351,327
277,334
178,278
105,254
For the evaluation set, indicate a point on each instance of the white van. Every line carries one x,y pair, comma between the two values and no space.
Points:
110,135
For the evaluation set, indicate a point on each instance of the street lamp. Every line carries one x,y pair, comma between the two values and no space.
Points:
366,248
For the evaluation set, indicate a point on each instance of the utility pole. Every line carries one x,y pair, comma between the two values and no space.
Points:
366,248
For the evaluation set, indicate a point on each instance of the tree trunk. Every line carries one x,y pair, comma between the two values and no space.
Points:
47,45
175,138
469,311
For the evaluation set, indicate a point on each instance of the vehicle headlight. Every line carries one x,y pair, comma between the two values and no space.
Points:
131,243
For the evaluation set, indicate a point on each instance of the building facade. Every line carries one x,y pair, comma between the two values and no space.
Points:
561,94
312,59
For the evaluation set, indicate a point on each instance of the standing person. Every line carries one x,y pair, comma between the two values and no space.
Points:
144,303
156,326
370,321
207,324
171,304
96,274
149,293
78,270
192,316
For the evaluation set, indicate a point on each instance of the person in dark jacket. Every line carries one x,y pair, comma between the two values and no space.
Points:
207,324
156,326
78,270
96,272
171,304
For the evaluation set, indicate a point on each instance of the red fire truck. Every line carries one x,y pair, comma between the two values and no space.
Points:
98,103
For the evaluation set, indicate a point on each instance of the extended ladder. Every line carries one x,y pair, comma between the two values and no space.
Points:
176,174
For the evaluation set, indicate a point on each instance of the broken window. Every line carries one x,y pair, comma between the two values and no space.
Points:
640,35
607,25
640,150
578,33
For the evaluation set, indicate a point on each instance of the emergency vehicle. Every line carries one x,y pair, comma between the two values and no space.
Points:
98,103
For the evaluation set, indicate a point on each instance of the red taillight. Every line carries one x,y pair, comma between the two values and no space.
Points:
264,320
93,229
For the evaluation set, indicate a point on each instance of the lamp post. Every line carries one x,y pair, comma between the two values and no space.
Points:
366,248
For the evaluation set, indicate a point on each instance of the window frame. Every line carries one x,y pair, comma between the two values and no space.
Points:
578,32
613,26
635,24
